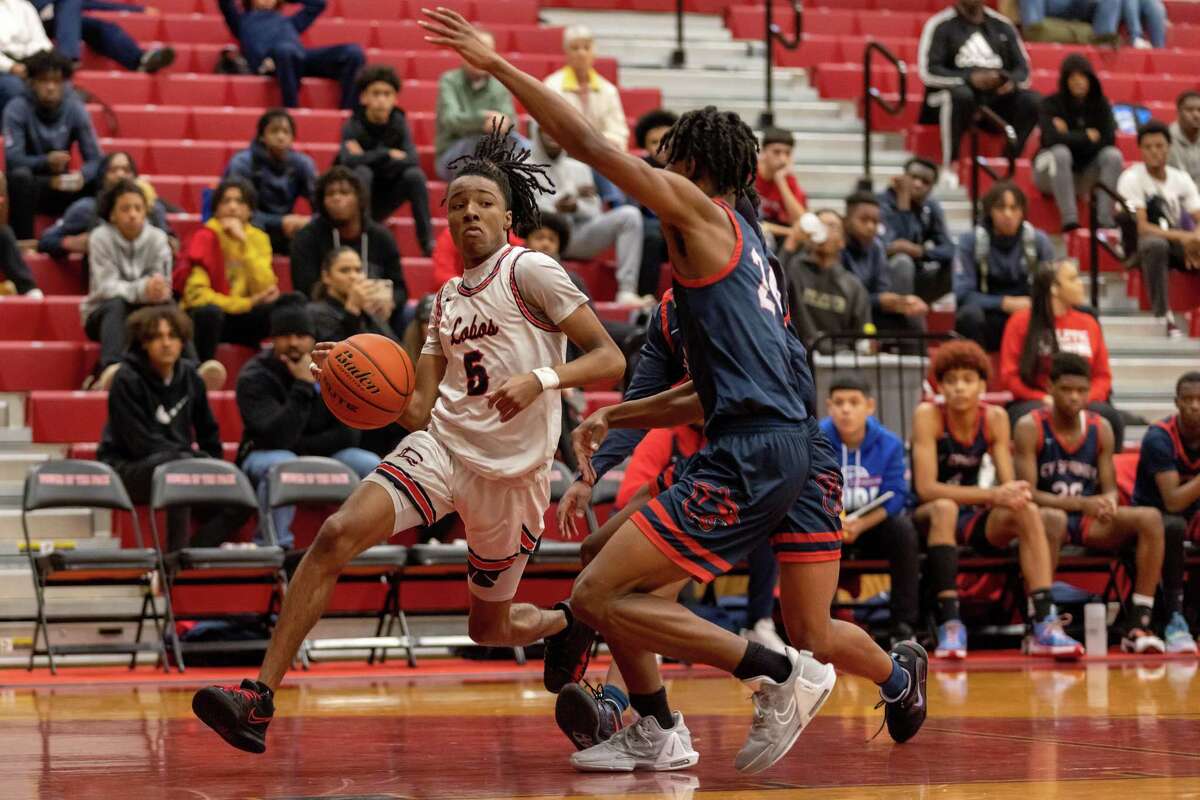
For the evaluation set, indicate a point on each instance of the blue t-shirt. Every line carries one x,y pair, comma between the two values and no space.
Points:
1163,451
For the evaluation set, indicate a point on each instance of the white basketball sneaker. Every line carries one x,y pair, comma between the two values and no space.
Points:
642,745
783,710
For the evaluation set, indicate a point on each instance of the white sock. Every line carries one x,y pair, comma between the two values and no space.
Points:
1143,600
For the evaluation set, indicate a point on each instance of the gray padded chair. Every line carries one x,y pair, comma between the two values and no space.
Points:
312,480
71,483
210,482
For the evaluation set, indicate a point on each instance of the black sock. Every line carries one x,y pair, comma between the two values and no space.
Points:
948,608
1042,605
654,705
1172,568
1138,617
943,571
759,661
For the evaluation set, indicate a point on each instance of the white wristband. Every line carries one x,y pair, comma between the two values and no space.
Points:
547,377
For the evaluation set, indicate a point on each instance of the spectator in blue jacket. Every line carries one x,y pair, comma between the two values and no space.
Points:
271,43
40,128
280,175
69,234
913,228
872,466
866,257
69,25
993,265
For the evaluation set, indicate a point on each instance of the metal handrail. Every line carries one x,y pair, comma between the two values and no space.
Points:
1095,244
1010,136
872,95
678,55
773,33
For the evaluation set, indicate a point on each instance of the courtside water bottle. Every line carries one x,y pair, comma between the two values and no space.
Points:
1095,630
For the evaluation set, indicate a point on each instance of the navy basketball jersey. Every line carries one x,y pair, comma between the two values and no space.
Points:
740,351
1063,470
959,461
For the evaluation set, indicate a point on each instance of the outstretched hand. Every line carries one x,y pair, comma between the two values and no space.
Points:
450,29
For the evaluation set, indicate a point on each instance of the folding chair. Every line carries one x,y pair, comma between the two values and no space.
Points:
322,481
550,551
90,484
210,482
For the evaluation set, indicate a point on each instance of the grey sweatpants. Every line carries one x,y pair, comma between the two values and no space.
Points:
1054,173
622,227
1155,255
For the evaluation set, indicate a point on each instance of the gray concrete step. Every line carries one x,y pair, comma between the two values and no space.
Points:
1130,372
54,524
13,466
727,83
696,27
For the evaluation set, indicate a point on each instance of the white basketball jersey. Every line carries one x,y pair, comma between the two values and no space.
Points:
500,320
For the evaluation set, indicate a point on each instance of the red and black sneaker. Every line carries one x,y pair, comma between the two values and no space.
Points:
240,714
567,652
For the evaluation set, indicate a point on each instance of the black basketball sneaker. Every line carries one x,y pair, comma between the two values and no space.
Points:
567,652
240,714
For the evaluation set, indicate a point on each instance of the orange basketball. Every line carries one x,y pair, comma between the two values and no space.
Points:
367,381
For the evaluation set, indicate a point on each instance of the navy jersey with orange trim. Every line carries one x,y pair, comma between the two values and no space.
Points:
742,355
958,461
1163,450
1063,470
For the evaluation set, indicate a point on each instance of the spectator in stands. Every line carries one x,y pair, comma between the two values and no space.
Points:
69,234
283,413
1055,323
279,174
948,446
1166,205
994,262
271,43
21,35
972,57
70,25
130,267
593,230
342,221
228,281
1185,135
1168,478
781,200
913,227
158,412
1079,138
40,128
648,133
866,257
1102,14
586,90
345,296
1067,456
14,271
470,103
824,296
377,145
414,335
1154,14
872,466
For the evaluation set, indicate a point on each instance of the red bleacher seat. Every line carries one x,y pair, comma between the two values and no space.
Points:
65,417
87,450
57,277
25,366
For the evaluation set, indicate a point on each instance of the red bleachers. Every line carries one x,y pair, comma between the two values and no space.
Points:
64,417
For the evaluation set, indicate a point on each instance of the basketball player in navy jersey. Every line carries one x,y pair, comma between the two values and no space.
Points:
765,472
948,446
1065,452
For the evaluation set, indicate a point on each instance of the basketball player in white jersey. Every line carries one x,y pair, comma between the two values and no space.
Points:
485,413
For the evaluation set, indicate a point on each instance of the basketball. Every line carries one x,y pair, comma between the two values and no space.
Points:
367,381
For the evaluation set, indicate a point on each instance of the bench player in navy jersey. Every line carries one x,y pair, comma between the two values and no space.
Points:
766,471
948,446
1065,452
1168,478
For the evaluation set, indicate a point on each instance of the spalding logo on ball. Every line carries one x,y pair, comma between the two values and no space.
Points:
367,381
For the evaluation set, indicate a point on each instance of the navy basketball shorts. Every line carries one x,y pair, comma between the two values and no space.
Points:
1077,528
758,480
972,528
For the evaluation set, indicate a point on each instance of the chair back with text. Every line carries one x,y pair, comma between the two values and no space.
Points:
308,480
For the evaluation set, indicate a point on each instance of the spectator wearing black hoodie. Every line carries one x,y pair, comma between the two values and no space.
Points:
279,174
39,129
913,228
342,221
377,145
270,42
1078,143
158,412
283,413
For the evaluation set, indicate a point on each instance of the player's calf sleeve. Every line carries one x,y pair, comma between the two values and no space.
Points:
1174,528
943,574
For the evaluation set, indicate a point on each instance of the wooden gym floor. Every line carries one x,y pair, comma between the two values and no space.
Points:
999,729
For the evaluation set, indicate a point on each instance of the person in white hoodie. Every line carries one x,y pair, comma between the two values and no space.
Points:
21,35
130,267
593,230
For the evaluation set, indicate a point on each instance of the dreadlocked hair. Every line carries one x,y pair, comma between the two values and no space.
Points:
504,162
720,146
